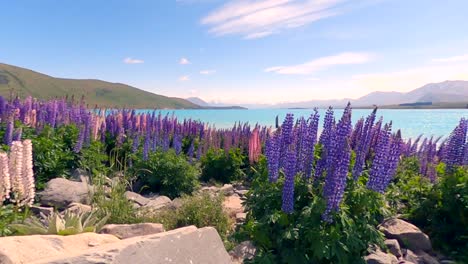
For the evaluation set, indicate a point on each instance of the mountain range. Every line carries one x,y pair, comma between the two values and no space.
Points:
23,82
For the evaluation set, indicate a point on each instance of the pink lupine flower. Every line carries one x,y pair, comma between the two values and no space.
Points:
28,174
5,185
16,170
255,147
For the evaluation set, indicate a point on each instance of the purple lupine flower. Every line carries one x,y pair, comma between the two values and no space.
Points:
325,140
311,140
378,170
286,135
18,134
177,143
393,158
272,152
456,145
79,142
362,147
338,160
190,152
288,188
8,138
136,143
357,133
146,145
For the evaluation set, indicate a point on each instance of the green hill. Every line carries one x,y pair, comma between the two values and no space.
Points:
24,82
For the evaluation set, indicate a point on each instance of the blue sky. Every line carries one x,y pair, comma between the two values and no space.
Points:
242,51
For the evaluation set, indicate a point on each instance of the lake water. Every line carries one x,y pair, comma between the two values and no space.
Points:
412,122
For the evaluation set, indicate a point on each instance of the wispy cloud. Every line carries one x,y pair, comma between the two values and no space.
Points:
453,59
184,61
322,63
184,78
130,60
255,19
208,72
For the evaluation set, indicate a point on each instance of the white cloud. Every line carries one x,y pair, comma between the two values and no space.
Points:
184,78
208,72
130,60
184,61
256,19
322,63
453,59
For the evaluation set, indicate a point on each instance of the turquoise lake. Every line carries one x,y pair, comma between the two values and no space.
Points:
412,122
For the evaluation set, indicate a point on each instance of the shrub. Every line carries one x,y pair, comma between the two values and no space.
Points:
202,210
8,215
56,224
303,236
221,167
409,188
444,214
94,159
167,174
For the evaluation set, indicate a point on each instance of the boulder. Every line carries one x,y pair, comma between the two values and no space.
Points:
393,247
410,256
227,189
244,251
240,217
60,192
408,235
242,193
136,198
127,231
80,175
157,203
380,257
184,245
233,205
26,249
77,208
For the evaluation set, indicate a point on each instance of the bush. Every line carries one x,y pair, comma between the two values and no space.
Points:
201,211
221,167
167,174
8,215
444,214
408,188
302,236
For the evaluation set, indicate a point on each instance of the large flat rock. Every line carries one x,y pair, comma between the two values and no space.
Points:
26,249
184,245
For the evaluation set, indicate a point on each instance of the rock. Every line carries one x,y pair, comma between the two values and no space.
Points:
240,217
60,192
242,193
176,203
210,189
233,205
380,257
244,251
157,203
227,189
410,256
425,258
26,249
38,210
184,245
136,198
77,208
408,235
127,231
393,247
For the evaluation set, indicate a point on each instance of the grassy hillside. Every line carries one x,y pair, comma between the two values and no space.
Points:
25,82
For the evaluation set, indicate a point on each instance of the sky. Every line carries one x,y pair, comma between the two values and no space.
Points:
242,51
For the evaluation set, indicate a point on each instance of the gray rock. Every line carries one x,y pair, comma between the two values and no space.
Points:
176,203
137,198
244,251
80,175
26,249
425,258
408,235
210,189
38,210
127,231
380,257
227,189
61,192
242,193
411,256
77,208
393,247
157,203
184,245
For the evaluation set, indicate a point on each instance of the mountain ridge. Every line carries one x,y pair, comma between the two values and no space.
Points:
24,82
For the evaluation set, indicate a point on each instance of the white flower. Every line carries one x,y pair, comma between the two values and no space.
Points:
28,173
4,178
16,171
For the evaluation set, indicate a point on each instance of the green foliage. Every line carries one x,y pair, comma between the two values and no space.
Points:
110,200
302,237
221,167
94,159
408,188
53,153
56,224
444,214
167,173
202,210
10,214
